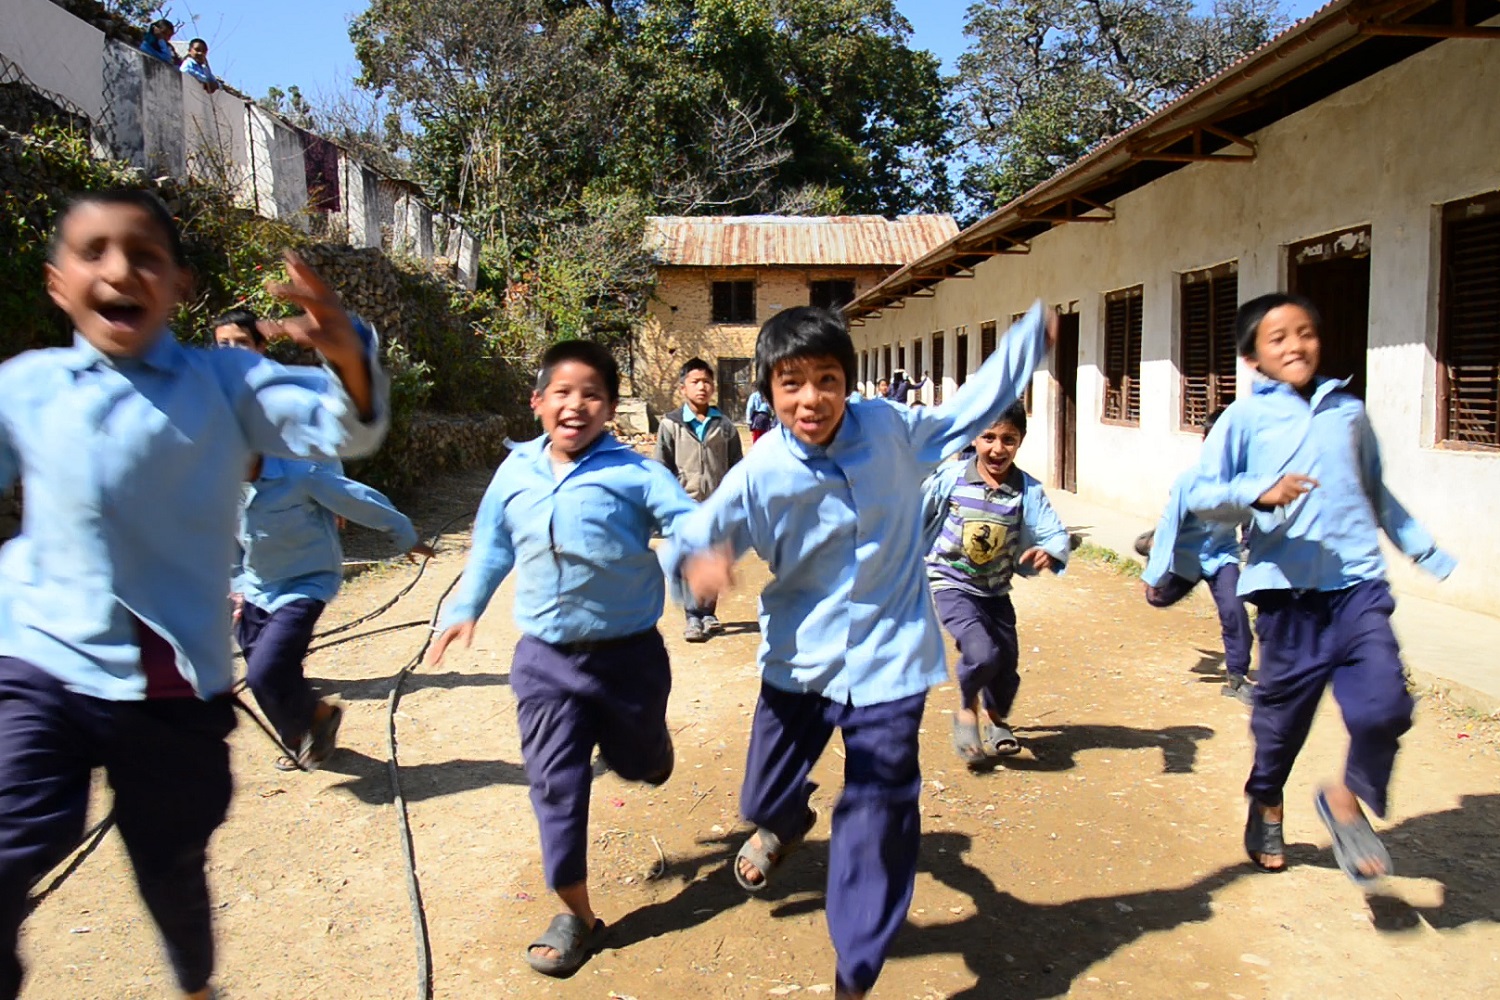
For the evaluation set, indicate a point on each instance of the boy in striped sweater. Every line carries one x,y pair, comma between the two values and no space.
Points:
986,521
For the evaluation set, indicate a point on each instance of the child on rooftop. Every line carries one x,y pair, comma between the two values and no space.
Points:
157,42
1299,459
132,448
573,512
832,501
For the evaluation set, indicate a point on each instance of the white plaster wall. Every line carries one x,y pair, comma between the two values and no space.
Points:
1386,152
57,51
214,133
161,118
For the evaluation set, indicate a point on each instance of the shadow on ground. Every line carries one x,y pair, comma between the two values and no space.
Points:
1056,748
369,780
379,688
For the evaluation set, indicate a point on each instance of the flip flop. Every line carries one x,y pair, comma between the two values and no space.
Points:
769,854
966,741
572,941
1353,843
1263,837
1000,740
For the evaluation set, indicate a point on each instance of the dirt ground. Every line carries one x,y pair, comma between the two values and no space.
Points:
1105,861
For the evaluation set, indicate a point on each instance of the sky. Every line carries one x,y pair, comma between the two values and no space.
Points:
306,42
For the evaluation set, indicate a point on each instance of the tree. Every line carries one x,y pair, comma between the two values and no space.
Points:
1043,81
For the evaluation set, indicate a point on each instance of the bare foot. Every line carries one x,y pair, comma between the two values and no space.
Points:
1271,814
748,871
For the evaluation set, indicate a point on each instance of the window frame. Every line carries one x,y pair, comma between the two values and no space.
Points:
1457,213
1133,301
1220,339
814,283
732,316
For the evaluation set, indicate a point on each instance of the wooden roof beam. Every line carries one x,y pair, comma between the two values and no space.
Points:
1458,27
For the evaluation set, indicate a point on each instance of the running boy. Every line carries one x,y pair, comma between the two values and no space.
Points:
1185,549
832,501
986,521
131,449
1315,575
699,445
573,512
758,416
290,567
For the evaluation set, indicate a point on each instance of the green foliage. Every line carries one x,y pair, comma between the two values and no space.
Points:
1043,81
1125,566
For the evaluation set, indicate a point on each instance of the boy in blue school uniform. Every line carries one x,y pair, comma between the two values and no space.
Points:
290,567
832,501
573,511
131,449
1299,459
986,521
1185,549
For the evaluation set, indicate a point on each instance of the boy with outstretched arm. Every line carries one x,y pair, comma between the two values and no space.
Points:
986,521
573,512
831,499
131,448
699,445
1299,459
1184,549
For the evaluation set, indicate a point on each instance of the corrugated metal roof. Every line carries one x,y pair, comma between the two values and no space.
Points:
818,241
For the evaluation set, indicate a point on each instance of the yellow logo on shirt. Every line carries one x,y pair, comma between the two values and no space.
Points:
983,540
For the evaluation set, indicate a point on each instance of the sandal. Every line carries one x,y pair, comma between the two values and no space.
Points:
966,741
1000,741
769,854
1354,842
1263,837
572,941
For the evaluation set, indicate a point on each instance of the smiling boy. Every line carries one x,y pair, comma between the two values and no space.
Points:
831,500
1316,575
573,511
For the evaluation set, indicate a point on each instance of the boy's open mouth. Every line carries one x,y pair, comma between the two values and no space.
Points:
122,313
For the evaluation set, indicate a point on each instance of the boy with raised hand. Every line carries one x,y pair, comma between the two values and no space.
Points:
987,521
131,448
831,499
699,445
1316,576
573,511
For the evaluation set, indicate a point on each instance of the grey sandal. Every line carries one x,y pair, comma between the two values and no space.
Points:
1000,741
768,855
1353,843
1263,837
572,941
966,741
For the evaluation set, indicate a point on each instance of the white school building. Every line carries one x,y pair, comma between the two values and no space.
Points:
1354,159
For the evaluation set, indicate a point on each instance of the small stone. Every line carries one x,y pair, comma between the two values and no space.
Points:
1250,959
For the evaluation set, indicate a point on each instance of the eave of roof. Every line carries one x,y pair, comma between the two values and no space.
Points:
1190,129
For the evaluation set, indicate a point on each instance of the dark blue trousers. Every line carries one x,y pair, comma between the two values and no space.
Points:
1234,620
989,656
1307,641
872,854
168,765
275,644
569,699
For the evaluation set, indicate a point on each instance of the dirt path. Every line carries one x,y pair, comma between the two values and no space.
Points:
1103,862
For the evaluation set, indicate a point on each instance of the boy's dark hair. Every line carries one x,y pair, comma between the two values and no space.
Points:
1247,320
1213,418
802,332
1015,415
242,318
162,23
586,352
198,41
131,197
695,365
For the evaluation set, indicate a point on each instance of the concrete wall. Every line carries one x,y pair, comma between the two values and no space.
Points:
148,114
679,322
1363,156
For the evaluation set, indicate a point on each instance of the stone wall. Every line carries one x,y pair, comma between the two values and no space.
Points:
148,114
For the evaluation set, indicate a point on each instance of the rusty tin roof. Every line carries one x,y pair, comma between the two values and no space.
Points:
813,241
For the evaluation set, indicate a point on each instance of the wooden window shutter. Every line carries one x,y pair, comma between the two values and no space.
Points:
1209,301
1122,356
986,341
1470,323
723,301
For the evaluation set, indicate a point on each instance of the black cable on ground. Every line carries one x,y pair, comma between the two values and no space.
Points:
413,886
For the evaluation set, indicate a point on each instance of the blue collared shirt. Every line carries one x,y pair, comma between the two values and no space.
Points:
848,614
1187,545
698,425
198,71
132,471
581,546
953,558
289,541
1328,539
